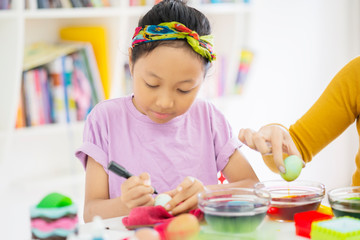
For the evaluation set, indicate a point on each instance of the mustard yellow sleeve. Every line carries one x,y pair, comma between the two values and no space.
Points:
332,113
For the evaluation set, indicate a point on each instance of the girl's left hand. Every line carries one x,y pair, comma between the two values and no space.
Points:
184,197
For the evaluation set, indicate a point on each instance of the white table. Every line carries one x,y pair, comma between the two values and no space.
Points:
269,230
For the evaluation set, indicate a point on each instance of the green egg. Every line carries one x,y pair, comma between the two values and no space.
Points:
293,166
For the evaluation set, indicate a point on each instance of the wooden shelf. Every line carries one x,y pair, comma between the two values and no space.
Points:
8,14
223,8
72,13
49,129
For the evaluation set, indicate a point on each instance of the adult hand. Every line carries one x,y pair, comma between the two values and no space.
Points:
136,191
184,197
270,140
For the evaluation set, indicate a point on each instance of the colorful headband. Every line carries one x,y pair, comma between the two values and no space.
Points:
172,31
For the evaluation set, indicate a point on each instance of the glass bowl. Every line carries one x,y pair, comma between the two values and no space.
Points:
345,201
234,210
288,198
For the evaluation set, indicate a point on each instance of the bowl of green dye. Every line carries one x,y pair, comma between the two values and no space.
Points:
345,201
234,210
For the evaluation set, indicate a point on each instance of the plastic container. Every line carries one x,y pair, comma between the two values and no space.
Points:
289,198
303,221
342,228
345,201
234,210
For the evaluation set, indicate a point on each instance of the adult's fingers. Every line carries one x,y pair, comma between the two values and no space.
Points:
246,137
261,144
277,150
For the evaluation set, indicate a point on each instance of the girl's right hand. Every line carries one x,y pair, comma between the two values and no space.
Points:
270,140
137,191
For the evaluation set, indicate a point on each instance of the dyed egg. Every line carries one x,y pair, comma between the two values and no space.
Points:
147,234
182,227
162,199
293,166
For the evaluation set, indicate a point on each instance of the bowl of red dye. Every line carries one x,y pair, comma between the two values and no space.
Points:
345,201
289,198
234,210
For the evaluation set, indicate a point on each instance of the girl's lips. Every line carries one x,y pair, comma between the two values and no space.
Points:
161,115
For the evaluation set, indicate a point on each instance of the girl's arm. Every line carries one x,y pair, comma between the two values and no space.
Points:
238,172
136,191
97,202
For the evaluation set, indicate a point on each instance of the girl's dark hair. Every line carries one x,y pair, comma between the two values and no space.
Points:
169,11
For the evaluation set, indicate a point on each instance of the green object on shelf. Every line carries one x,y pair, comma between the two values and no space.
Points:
342,228
353,198
54,200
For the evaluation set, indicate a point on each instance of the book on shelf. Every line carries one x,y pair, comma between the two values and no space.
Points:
65,3
133,3
216,83
97,37
127,83
5,4
223,1
62,89
246,59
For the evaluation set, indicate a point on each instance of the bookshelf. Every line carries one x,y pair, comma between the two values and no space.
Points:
52,146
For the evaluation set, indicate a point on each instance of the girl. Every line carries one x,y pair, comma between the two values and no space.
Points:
161,130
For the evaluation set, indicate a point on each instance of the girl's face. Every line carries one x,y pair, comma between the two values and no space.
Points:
166,82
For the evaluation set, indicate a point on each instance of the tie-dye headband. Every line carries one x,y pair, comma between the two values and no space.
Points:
172,31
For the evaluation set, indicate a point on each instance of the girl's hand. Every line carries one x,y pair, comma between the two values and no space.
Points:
184,197
136,191
270,139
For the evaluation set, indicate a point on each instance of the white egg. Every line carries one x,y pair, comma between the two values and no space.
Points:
162,199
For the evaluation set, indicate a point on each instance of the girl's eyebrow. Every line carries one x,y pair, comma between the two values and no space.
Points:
158,77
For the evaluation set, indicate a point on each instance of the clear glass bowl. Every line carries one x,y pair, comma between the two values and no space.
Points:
288,198
234,210
345,201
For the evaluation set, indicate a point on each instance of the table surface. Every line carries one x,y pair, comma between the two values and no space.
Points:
268,230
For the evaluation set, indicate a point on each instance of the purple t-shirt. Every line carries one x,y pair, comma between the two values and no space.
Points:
197,143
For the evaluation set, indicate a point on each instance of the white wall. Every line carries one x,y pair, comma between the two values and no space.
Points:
299,46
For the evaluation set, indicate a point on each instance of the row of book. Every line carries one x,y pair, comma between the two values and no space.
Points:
72,3
60,84
218,83
152,2
5,4
223,1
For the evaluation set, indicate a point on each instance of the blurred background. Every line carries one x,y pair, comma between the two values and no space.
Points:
296,48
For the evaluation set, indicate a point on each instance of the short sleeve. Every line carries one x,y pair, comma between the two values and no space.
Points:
224,141
95,142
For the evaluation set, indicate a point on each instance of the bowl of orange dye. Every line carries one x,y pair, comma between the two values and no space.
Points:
288,198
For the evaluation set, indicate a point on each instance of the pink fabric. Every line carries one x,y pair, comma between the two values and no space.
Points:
153,215
146,216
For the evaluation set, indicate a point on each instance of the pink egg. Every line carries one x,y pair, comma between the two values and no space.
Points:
147,234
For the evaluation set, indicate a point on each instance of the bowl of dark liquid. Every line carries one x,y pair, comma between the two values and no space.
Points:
234,210
289,198
345,201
